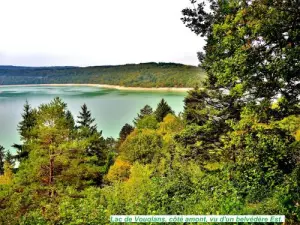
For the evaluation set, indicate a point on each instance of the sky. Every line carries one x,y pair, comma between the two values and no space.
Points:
95,32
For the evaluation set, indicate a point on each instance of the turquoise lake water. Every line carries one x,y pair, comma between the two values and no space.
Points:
111,108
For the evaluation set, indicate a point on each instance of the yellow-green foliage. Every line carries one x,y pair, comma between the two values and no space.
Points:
291,124
297,135
119,171
155,146
132,196
148,122
213,166
142,145
233,153
170,124
7,177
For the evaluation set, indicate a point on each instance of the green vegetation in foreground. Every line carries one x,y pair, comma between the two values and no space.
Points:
131,75
234,150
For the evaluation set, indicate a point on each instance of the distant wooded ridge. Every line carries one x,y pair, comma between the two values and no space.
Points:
129,75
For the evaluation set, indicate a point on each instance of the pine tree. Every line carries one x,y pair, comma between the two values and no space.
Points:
28,121
70,119
57,163
162,110
125,131
85,119
88,131
24,128
2,155
146,111
9,158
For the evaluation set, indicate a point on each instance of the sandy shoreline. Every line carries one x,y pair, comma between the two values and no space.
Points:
106,86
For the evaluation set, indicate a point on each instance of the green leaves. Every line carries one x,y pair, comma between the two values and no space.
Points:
248,110
85,119
87,131
82,208
146,111
59,157
235,150
142,146
162,110
147,122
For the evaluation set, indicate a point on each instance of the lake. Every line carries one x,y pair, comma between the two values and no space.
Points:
111,108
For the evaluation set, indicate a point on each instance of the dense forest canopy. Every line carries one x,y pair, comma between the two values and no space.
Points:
130,75
234,150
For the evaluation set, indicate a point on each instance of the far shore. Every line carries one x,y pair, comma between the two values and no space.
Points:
174,89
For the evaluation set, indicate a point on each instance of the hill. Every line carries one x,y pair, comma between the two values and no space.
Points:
129,75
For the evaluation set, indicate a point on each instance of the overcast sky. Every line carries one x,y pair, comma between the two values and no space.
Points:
95,32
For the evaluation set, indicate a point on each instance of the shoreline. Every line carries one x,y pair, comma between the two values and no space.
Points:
106,86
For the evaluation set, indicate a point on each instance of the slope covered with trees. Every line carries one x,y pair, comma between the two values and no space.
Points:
234,150
131,75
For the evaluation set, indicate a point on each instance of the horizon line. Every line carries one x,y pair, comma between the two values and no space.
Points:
110,65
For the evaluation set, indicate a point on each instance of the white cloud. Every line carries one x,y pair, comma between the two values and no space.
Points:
95,32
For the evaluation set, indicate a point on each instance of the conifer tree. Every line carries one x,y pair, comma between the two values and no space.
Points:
145,111
10,158
125,131
28,121
85,119
88,130
162,110
57,163
2,155
24,128
70,119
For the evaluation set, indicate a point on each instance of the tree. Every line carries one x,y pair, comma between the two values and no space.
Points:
70,120
171,124
252,50
25,128
85,119
57,160
2,155
264,153
10,158
70,208
236,119
249,58
146,111
207,109
110,143
125,131
162,110
119,171
148,122
7,176
143,146
87,130
28,121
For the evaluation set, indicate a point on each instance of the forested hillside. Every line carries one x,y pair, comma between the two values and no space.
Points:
131,75
234,150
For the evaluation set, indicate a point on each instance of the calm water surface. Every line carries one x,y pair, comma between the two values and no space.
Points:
110,107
